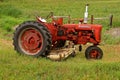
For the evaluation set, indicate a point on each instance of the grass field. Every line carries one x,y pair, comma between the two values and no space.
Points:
14,66
18,67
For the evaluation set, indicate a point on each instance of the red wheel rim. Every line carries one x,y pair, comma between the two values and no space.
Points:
30,41
94,54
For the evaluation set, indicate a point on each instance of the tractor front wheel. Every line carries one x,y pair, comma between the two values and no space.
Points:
32,38
93,52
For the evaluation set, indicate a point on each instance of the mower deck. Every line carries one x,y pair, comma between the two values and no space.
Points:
61,54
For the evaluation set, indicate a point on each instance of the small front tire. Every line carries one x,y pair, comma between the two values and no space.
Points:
93,52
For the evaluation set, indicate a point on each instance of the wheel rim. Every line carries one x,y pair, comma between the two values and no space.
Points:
31,41
94,54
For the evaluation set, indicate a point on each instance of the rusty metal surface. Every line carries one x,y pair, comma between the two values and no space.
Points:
61,54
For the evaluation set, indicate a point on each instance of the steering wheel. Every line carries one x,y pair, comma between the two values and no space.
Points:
49,15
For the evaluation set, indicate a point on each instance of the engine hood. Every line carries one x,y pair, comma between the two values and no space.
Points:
88,26
83,26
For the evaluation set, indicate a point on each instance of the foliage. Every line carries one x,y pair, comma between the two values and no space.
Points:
9,10
7,22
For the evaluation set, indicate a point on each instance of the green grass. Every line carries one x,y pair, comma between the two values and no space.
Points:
9,10
14,12
28,9
18,67
108,39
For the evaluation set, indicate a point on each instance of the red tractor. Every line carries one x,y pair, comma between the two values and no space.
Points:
37,38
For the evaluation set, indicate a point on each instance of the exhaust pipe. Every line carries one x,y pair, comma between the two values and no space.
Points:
86,14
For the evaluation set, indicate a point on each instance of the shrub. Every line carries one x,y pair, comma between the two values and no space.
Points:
7,23
9,10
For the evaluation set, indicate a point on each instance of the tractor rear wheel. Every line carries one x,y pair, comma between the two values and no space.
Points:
93,52
32,38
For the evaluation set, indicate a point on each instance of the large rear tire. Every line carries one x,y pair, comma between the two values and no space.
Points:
32,38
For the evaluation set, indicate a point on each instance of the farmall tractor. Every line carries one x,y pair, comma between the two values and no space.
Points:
38,38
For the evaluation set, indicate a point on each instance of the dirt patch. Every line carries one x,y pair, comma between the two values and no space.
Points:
6,43
114,32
